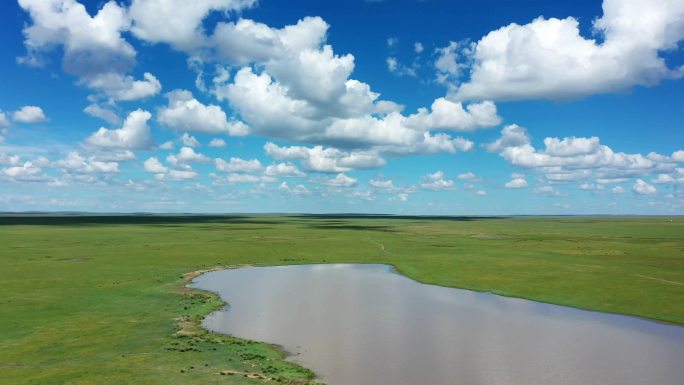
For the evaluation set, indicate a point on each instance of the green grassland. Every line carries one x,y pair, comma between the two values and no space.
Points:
101,300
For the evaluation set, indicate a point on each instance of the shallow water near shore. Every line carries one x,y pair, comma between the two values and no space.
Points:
365,324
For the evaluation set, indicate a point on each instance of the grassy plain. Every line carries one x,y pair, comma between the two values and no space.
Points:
101,300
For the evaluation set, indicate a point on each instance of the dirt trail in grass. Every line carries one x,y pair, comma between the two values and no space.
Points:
382,247
660,279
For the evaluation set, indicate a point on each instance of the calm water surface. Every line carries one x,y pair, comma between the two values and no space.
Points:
364,324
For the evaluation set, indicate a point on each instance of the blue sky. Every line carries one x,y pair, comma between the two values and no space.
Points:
407,107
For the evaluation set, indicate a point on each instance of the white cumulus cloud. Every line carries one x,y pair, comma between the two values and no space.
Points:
436,182
29,114
134,134
186,113
238,165
642,188
550,59
94,47
177,22
341,180
189,140
283,170
186,155
153,165
448,115
516,183
105,114
328,160
297,190
573,158
119,87
217,142
677,155
76,163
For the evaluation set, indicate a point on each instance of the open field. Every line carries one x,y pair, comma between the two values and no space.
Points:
100,300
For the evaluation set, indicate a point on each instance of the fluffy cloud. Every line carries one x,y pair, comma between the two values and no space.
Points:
385,185
436,182
183,172
153,165
113,155
186,155
664,179
571,146
283,170
548,58
26,169
298,89
579,159
105,114
216,142
399,69
28,114
448,67
390,135
642,188
9,160
238,165
119,87
94,48
328,160
516,182
177,175
302,68
364,195
134,134
75,163
392,64
341,180
186,113
298,190
247,41
91,44
511,136
266,105
574,158
177,22
678,156
448,115
189,140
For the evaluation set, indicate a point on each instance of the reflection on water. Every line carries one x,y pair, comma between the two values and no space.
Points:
364,324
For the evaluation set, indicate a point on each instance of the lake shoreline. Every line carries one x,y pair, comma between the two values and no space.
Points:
220,303
616,321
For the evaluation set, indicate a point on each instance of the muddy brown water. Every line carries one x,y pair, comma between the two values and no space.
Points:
367,325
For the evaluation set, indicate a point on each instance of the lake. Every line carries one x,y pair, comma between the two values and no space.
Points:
367,325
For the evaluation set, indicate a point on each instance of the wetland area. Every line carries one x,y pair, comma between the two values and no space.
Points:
103,299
